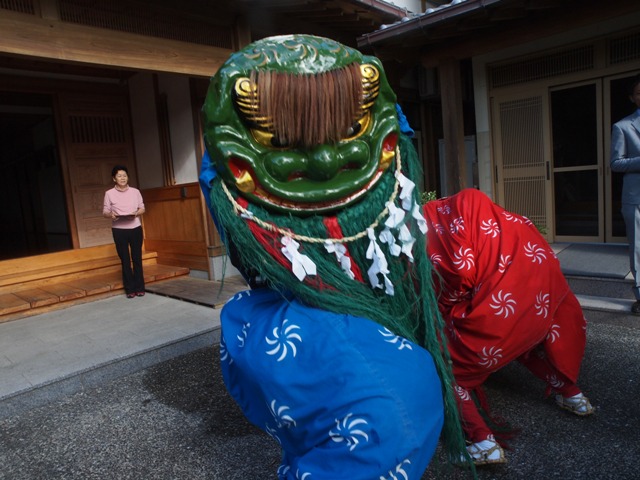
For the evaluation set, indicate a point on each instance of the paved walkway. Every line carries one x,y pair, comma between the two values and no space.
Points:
49,355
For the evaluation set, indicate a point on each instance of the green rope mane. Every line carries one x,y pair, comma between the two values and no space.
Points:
412,312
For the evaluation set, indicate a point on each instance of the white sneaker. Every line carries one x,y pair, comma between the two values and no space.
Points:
486,452
578,404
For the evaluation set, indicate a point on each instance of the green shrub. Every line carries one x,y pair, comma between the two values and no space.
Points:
427,196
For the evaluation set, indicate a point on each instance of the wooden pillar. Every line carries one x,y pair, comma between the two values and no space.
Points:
453,127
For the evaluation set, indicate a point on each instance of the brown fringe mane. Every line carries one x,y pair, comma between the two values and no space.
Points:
307,110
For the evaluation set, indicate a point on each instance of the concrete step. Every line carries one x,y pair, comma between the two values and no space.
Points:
605,298
605,304
602,287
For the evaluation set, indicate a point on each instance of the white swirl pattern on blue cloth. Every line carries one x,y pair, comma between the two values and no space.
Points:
344,397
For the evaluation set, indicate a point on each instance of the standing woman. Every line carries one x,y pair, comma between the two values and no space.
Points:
123,205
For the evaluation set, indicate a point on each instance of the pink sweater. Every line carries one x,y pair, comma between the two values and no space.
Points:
124,204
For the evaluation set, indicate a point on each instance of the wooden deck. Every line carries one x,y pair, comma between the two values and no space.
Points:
203,292
38,284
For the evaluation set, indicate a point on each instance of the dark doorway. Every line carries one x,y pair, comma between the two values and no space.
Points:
574,127
33,218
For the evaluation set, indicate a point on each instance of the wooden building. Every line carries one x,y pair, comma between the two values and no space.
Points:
510,96
517,98
87,84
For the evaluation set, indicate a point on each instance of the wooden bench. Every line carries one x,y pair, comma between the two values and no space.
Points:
41,283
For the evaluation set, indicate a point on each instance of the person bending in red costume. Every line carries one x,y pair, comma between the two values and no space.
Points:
503,297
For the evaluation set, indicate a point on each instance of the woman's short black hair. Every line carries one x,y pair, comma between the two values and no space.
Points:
117,168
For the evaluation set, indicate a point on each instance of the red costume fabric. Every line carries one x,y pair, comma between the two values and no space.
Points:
502,294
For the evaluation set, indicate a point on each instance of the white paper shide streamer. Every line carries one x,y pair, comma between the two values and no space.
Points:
340,252
301,265
379,265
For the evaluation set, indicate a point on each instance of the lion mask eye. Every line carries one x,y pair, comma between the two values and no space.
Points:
359,127
267,139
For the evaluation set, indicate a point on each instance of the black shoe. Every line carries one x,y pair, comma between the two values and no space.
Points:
635,308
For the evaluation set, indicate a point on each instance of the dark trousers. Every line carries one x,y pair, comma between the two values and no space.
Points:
129,247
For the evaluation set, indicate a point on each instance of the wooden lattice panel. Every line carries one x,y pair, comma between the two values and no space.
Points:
132,17
20,6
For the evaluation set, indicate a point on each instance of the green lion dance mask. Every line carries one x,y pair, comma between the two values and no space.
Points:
301,124
311,185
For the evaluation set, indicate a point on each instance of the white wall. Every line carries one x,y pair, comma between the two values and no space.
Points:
411,5
183,148
145,128
145,131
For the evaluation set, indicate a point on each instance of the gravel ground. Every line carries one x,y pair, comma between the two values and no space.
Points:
176,421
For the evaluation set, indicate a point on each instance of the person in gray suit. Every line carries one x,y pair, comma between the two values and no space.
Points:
625,158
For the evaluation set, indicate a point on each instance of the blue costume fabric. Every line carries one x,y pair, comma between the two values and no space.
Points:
343,396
